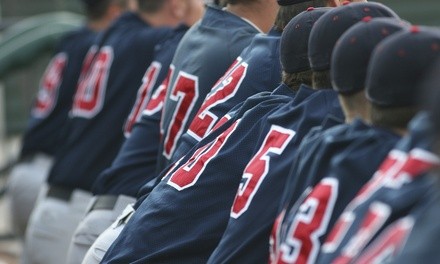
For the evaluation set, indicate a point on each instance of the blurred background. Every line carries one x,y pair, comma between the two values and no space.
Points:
29,30
19,77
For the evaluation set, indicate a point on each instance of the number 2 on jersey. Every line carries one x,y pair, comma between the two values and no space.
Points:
225,89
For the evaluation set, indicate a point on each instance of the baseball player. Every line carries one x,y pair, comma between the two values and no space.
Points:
265,175
328,158
117,186
244,78
421,244
47,123
104,97
213,51
193,200
117,183
398,63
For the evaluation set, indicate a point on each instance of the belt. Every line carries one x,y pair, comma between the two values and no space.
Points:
104,202
60,193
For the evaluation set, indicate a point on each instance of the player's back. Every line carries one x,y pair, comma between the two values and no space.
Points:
257,69
203,56
347,156
136,160
394,190
191,224
103,100
47,123
253,210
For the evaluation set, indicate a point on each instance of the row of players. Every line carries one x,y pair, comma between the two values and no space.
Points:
239,168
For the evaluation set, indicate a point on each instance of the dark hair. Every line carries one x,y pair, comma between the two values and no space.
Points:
97,9
286,13
321,80
150,6
294,80
392,117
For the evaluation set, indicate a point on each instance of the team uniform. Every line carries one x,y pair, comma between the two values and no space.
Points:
104,97
246,237
105,240
202,174
330,169
421,245
117,186
47,124
393,198
256,70
190,224
136,161
213,44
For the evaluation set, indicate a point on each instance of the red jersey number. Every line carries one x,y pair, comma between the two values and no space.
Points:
310,223
225,89
398,169
389,243
188,174
144,93
49,85
375,218
184,94
155,104
89,97
257,169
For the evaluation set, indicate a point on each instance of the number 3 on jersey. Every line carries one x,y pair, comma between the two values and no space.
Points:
188,174
310,223
184,93
257,169
89,97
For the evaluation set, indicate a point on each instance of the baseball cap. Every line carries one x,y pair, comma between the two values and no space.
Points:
334,23
399,64
291,2
353,50
295,39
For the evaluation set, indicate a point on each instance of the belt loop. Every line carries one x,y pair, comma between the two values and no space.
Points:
104,202
60,193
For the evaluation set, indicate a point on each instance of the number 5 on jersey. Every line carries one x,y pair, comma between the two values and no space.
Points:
256,170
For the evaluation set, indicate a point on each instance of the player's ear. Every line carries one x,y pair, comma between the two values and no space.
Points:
178,8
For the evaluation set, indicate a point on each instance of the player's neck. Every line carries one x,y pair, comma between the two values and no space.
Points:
158,19
98,25
254,13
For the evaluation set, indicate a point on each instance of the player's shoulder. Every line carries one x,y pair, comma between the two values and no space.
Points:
420,134
80,35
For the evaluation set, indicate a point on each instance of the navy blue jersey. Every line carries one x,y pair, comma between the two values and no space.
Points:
47,123
421,246
184,216
136,161
343,159
267,98
246,239
103,100
203,56
256,70
394,192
